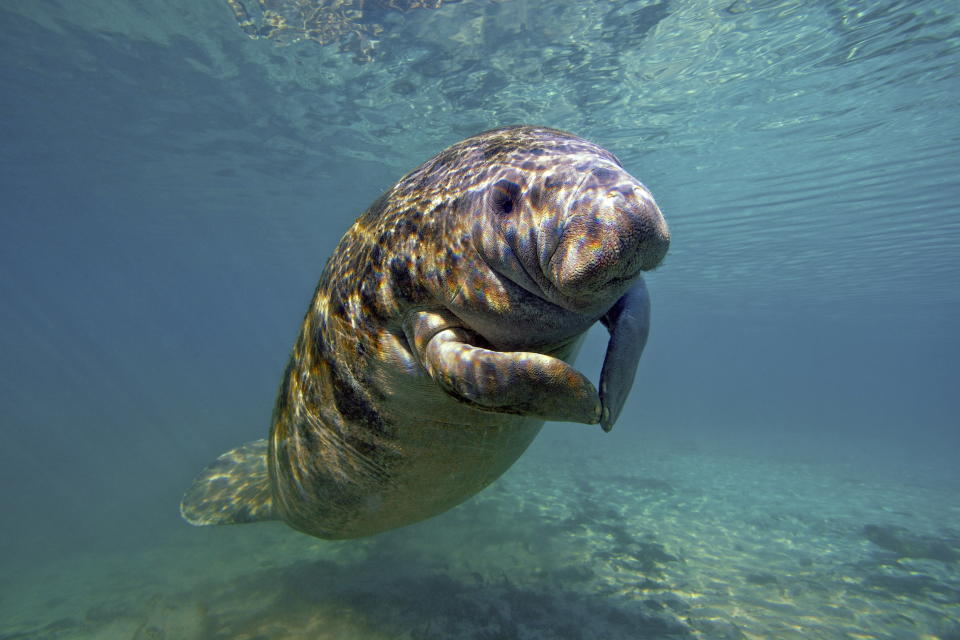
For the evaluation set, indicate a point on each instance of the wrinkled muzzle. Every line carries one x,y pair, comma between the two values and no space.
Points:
607,246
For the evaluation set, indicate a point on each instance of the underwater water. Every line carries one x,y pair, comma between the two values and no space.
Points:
786,464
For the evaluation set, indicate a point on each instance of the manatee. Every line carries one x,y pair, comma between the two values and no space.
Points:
440,336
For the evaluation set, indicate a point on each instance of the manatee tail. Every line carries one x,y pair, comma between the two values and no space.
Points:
233,489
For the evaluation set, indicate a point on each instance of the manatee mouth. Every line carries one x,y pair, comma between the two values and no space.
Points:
600,256
581,296
622,281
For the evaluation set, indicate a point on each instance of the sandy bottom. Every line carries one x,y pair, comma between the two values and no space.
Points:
678,544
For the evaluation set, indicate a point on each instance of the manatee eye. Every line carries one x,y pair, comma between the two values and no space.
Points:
505,194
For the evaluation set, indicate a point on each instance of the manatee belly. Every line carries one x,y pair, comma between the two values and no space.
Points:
437,466
411,452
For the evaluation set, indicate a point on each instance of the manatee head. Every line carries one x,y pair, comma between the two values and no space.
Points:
570,224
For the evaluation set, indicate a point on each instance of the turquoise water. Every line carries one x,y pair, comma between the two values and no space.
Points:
785,466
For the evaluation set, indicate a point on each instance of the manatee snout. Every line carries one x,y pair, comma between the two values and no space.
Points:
606,245
652,234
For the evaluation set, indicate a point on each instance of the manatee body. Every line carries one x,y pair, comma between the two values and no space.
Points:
440,335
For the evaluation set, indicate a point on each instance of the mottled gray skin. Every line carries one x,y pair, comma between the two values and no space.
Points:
440,335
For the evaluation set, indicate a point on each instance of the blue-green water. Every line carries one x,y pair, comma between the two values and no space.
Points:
171,189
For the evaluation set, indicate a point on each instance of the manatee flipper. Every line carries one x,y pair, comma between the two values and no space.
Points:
629,324
233,489
517,382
